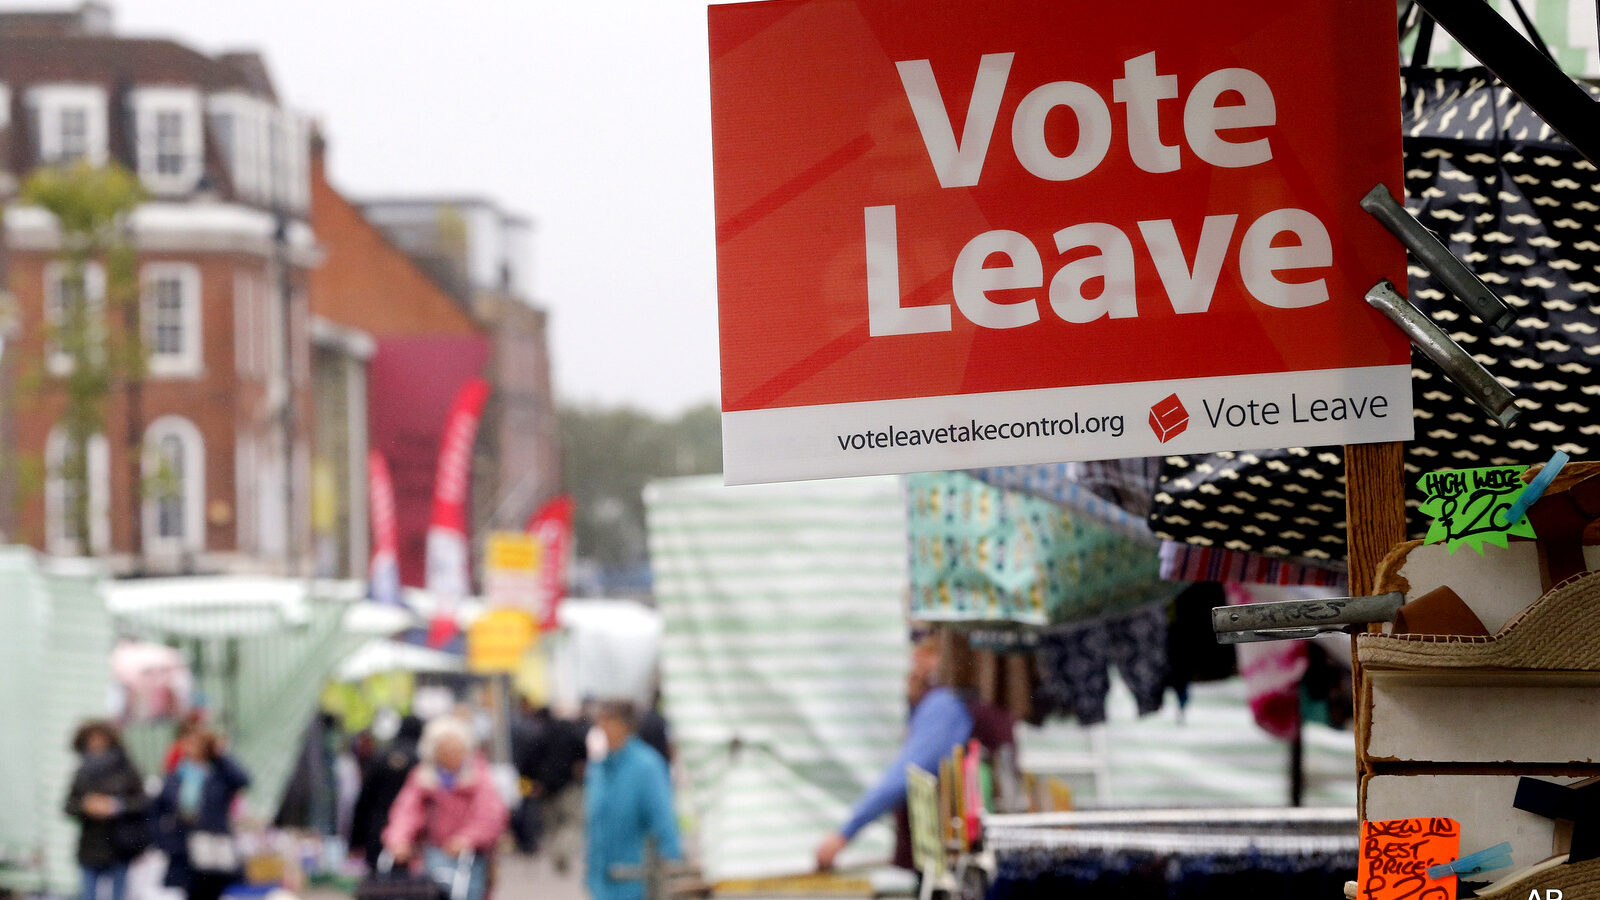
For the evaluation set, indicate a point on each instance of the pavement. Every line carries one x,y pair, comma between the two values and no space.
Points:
520,878
534,878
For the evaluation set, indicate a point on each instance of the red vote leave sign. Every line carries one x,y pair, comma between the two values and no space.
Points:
955,234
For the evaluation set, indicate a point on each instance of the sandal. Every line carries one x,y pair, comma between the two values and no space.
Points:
1559,632
1569,508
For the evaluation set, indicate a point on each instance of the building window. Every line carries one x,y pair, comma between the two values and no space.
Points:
169,501
65,477
171,317
170,144
240,123
74,145
71,123
62,295
174,486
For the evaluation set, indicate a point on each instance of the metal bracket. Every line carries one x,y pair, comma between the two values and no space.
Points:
1288,620
1458,365
1432,253
1540,83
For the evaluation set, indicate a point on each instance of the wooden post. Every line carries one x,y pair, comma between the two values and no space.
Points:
1375,519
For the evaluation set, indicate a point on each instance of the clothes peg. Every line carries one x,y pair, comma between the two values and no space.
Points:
1287,620
1484,303
1496,857
1458,365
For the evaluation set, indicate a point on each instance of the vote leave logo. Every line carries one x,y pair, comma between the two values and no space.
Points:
1168,418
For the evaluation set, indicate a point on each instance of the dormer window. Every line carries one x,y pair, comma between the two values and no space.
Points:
71,122
170,143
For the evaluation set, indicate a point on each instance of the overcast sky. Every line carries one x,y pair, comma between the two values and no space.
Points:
590,116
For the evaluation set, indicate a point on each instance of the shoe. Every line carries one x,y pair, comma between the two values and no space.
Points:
1440,611
1559,632
1575,881
1560,518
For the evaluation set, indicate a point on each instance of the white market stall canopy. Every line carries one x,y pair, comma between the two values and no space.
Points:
380,656
243,605
607,650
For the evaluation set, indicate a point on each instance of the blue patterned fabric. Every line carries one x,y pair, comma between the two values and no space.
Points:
982,554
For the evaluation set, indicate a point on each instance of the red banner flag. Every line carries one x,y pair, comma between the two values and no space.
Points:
448,578
551,525
384,572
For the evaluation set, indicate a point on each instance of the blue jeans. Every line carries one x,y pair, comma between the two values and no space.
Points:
116,874
443,868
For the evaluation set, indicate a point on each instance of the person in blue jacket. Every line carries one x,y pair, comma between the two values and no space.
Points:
627,800
193,814
940,722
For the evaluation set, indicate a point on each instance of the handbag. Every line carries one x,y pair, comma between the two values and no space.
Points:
211,851
1518,204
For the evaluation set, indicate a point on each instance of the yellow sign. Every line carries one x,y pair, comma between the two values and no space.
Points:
922,807
497,641
512,551
511,571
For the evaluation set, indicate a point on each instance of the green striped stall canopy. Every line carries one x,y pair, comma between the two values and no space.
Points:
784,659
1567,26
56,643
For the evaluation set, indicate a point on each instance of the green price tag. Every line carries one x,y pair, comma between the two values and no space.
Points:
1469,506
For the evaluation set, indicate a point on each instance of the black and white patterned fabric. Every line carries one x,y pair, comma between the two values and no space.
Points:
1522,209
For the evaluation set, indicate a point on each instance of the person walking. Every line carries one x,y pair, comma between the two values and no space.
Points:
449,807
382,777
193,817
528,747
107,798
940,721
627,801
558,780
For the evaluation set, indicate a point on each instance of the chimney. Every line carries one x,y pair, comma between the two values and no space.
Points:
92,19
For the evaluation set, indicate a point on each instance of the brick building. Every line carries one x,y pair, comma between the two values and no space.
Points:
423,345
481,256
223,250
441,287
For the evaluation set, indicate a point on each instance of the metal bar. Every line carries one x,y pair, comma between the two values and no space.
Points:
1539,82
1457,364
1537,39
1283,634
1306,613
1432,253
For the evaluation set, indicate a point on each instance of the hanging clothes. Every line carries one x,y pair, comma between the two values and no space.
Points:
982,554
1193,653
1186,562
1128,484
1131,874
1272,670
1075,663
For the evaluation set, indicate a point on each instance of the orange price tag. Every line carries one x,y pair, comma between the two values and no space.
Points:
1396,854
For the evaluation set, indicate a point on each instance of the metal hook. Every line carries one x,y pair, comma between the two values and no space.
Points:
1485,304
1286,620
1458,365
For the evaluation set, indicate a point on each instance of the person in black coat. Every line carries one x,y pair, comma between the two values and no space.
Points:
381,780
108,800
193,819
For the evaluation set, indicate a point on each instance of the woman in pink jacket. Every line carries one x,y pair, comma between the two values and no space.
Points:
449,806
